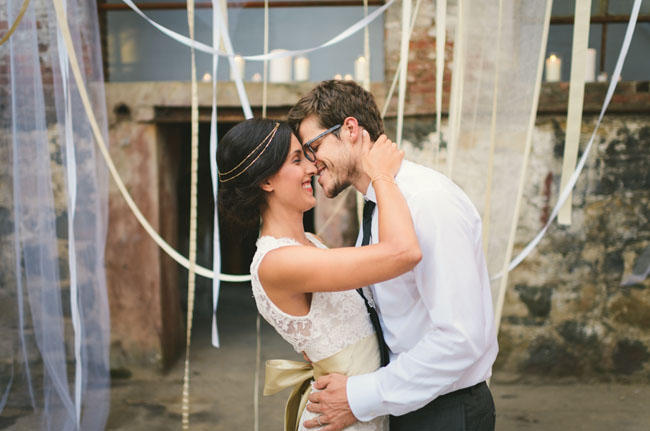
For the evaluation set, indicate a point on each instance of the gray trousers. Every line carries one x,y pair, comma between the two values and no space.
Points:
468,409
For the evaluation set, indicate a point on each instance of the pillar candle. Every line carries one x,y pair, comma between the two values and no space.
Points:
280,70
590,65
301,69
360,68
239,69
553,68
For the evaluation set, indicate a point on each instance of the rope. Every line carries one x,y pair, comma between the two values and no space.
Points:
14,26
191,276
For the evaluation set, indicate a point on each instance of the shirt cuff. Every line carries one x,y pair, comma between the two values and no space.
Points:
364,397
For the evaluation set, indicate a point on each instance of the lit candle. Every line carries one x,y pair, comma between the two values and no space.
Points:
257,77
590,65
207,77
338,77
348,77
280,70
239,68
553,68
360,65
301,69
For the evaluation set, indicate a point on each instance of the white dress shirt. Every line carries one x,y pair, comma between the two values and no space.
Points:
437,318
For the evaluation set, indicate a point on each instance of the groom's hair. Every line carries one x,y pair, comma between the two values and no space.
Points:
333,101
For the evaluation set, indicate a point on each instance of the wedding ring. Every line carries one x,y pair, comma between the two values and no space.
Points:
319,422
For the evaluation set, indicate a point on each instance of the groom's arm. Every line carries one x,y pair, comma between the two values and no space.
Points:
453,282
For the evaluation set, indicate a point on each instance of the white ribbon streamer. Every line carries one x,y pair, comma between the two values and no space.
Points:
71,183
216,250
210,50
581,163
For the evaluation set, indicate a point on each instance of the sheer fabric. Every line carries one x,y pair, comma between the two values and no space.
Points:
504,60
54,319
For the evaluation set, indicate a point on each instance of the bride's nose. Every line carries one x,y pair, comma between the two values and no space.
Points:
310,167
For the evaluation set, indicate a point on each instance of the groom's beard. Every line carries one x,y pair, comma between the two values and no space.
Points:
338,188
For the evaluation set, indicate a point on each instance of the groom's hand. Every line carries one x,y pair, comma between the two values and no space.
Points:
331,403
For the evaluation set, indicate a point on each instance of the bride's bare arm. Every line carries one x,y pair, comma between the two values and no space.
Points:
310,269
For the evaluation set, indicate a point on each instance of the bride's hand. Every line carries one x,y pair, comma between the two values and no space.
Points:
382,159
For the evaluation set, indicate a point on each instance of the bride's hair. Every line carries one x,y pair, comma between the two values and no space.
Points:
248,154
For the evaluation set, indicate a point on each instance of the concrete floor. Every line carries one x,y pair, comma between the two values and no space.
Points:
222,388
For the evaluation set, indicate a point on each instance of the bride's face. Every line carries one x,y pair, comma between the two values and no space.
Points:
291,185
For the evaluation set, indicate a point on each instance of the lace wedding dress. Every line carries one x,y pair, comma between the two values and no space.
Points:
335,320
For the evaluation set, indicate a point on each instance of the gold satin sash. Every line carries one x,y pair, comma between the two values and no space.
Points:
358,358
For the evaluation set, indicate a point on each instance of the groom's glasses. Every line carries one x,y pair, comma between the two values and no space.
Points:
309,151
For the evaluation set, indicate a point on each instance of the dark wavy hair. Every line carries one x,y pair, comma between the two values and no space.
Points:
241,199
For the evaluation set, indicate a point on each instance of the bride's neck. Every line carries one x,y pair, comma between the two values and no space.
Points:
282,222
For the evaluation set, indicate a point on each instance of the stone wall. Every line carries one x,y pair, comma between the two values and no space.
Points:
566,312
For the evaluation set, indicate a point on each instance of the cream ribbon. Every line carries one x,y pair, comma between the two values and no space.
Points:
576,98
493,128
358,358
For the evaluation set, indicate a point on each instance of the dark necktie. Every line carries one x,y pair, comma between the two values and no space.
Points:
368,209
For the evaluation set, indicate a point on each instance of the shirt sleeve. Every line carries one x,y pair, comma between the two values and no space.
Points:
451,279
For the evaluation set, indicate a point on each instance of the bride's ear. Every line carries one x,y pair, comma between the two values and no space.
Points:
267,186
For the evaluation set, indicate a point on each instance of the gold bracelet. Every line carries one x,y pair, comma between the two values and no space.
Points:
383,177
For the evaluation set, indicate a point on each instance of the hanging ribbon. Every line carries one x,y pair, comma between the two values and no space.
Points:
576,98
71,183
404,53
210,50
456,103
493,128
14,26
441,33
216,250
574,177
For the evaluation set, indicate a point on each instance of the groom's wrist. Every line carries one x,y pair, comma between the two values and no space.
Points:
364,396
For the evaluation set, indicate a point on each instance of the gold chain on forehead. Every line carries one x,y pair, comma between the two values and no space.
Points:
267,139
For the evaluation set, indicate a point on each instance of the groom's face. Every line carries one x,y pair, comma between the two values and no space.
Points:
333,158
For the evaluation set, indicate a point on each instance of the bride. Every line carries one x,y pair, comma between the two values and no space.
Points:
304,290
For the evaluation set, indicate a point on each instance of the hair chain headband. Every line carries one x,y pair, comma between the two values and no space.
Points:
266,140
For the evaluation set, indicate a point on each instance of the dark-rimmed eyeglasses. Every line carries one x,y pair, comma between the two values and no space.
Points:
309,151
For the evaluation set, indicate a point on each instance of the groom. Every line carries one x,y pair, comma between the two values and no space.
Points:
437,319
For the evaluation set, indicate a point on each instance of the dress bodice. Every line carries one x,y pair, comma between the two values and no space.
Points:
334,321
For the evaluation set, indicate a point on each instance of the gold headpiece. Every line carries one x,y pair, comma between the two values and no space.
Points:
266,140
